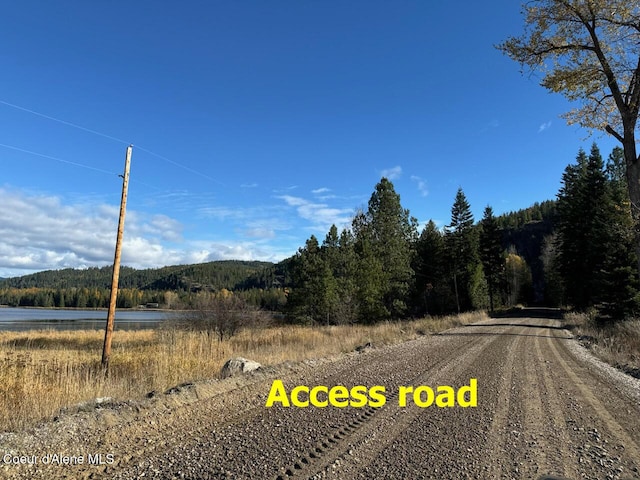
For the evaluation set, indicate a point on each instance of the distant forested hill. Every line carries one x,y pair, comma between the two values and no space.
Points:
229,274
526,231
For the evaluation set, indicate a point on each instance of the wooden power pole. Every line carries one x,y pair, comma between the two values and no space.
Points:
106,350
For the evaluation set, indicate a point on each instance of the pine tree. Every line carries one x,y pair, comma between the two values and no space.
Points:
572,238
312,295
595,241
385,239
620,279
432,287
553,282
369,276
330,283
461,241
491,255
345,272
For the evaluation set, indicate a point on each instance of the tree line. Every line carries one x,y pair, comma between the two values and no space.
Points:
178,286
76,297
272,299
229,274
383,268
577,251
590,260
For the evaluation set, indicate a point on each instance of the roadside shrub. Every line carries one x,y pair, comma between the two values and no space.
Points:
221,314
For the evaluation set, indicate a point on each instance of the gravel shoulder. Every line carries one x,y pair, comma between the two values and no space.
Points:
544,406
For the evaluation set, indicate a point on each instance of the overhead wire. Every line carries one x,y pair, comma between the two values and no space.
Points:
104,135
57,159
77,164
189,169
64,122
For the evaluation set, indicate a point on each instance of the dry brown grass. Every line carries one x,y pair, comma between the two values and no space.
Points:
43,371
616,343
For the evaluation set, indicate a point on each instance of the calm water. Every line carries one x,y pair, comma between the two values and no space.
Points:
20,319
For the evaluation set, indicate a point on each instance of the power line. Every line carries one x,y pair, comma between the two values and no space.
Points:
11,147
189,169
104,135
69,162
64,122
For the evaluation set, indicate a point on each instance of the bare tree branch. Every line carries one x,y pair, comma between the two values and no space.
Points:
611,131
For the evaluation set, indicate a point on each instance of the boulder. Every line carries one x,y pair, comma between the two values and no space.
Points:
238,366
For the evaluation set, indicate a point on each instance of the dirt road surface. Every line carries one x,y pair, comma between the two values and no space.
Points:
544,406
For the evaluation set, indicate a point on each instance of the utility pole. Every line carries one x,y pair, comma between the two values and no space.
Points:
106,350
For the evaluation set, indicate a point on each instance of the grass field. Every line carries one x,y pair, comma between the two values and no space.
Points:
43,371
616,343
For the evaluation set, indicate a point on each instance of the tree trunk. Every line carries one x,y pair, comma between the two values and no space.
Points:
490,295
455,285
633,183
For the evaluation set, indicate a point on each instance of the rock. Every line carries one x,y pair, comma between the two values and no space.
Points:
91,405
179,388
238,366
364,348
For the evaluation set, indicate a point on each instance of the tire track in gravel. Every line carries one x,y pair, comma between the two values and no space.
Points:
439,443
538,409
535,431
559,459
288,433
366,443
531,407
499,435
595,447
163,431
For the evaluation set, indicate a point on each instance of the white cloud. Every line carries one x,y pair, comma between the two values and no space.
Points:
179,200
544,126
392,173
491,125
223,213
323,194
160,226
211,251
421,184
320,214
260,232
40,232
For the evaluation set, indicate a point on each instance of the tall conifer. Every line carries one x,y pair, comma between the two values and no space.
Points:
462,253
385,237
491,255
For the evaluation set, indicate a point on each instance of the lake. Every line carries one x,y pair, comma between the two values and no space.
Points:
21,319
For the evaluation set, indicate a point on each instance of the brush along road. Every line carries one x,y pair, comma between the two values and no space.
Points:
541,406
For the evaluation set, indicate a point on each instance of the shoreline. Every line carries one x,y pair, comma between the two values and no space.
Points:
98,309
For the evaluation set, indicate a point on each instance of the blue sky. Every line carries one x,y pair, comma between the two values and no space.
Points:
257,124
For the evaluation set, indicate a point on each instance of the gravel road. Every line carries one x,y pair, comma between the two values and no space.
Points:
544,406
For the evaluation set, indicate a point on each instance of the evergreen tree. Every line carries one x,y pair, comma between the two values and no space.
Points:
313,287
432,287
595,241
385,239
345,272
573,241
461,241
553,283
369,276
491,256
330,256
620,279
